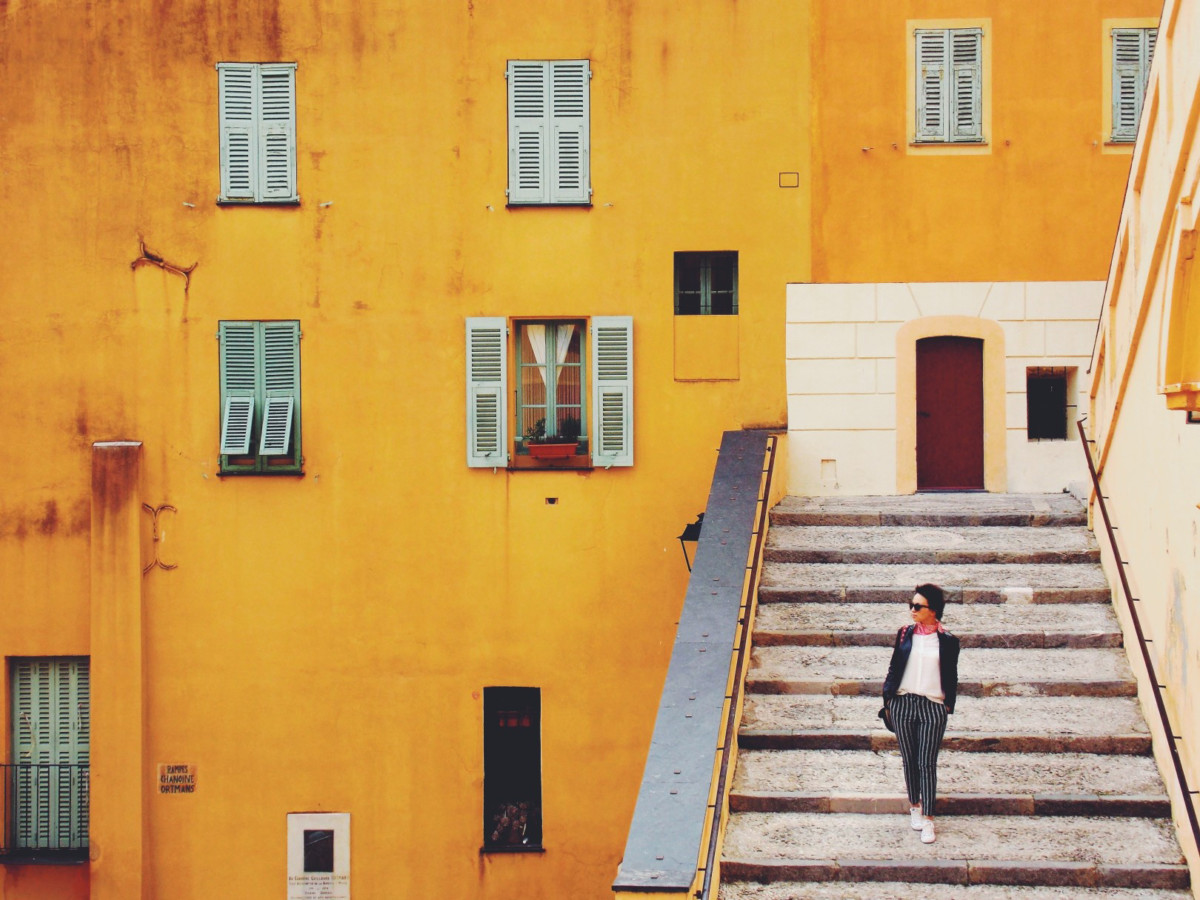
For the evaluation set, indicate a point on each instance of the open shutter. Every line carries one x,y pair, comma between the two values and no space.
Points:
569,114
528,127
932,96
967,79
1128,81
487,379
612,390
238,370
239,144
281,386
277,132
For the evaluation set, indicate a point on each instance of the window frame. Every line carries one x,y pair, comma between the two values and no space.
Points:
265,137
540,132
929,145
498,765
255,461
706,260
1061,414
521,454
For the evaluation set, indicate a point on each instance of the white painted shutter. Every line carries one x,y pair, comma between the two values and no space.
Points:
570,153
281,385
933,53
612,390
487,380
277,132
528,127
239,138
967,80
238,380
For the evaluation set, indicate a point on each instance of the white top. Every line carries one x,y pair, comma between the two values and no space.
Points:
923,674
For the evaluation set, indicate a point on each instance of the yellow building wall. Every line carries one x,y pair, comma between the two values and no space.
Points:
324,641
1146,450
1036,202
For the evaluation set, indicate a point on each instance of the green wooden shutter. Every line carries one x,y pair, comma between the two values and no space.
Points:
281,386
277,132
966,60
239,138
487,380
1132,56
528,127
612,390
239,370
569,118
932,57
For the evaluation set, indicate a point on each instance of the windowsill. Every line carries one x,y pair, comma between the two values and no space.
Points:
1124,142
973,143
251,465
578,204
240,202
579,463
517,848
45,857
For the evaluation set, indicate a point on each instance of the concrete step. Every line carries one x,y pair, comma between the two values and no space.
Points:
932,510
963,583
899,545
981,673
895,890
992,724
850,773
1079,625
1060,850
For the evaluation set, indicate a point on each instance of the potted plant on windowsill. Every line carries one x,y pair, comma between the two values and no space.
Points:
563,445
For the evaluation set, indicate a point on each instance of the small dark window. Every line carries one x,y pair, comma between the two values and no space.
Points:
318,850
706,284
1046,393
512,768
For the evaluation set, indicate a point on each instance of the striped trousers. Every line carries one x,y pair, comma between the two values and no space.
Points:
920,724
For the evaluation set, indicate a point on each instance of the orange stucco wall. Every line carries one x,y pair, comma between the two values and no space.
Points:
1038,203
324,641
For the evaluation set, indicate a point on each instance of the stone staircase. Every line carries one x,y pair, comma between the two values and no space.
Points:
1046,786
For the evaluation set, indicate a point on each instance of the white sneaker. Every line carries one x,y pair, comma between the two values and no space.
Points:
918,820
927,833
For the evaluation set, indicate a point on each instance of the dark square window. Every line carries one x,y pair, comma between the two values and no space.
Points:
318,850
512,768
1046,394
706,284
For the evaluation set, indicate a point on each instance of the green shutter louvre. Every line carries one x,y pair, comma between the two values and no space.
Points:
932,100
569,90
528,124
239,138
1133,53
281,385
487,380
612,390
277,130
238,385
967,77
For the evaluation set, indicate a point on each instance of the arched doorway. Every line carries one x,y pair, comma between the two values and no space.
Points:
949,414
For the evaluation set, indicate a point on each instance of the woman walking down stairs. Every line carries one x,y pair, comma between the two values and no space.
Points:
1046,787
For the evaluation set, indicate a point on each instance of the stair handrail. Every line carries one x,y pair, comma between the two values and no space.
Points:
732,719
1130,600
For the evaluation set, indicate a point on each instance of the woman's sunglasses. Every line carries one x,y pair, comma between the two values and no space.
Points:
915,606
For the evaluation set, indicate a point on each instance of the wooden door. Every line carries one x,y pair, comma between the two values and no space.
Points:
949,414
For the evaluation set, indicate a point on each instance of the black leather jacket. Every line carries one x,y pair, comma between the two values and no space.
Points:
948,657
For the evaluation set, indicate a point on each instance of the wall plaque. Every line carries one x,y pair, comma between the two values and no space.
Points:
176,778
318,856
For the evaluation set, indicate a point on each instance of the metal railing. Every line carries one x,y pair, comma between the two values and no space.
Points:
732,718
45,809
1130,600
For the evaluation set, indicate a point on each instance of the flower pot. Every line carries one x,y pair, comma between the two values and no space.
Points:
553,451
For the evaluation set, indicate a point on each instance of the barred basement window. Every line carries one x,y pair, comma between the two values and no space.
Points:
706,284
1047,402
512,769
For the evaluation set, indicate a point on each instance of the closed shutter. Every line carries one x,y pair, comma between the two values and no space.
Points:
932,95
487,379
281,385
238,382
239,137
1133,53
569,91
967,78
277,131
528,127
612,390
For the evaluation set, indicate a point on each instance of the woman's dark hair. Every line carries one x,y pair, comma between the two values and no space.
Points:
935,597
